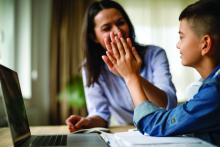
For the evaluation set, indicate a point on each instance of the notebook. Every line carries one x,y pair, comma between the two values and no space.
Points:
18,122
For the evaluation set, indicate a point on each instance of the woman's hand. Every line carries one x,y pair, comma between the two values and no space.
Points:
110,65
105,58
75,122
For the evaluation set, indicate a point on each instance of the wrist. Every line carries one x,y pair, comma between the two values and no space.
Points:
89,122
134,84
96,121
132,78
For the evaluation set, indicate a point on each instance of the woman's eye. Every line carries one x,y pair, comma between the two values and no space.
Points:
121,22
106,29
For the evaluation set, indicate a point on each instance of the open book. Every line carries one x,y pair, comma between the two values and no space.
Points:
136,139
133,138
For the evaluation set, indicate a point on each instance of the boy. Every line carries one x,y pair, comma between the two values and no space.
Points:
199,47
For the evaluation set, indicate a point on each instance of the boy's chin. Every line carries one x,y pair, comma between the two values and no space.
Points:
184,63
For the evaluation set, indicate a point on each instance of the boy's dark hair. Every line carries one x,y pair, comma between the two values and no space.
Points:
92,50
204,18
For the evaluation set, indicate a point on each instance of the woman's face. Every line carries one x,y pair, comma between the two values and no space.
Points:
109,20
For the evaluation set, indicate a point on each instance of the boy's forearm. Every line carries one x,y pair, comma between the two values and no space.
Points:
154,94
135,87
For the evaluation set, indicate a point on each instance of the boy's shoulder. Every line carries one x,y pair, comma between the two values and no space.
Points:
214,78
217,74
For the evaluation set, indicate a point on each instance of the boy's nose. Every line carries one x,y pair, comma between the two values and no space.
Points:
178,45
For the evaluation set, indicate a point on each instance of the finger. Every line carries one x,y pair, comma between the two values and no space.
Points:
69,121
107,44
73,129
107,61
82,123
110,51
111,58
109,64
120,34
112,37
120,47
115,51
129,42
125,46
136,55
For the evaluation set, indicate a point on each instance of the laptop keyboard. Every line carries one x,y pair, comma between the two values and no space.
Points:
50,140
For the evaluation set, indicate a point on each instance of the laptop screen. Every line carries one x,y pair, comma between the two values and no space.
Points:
14,104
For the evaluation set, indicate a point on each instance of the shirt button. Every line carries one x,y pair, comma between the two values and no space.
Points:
173,120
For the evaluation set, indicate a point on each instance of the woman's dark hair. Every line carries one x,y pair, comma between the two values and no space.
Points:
204,18
92,50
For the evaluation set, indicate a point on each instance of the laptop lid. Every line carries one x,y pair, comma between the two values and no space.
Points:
17,118
14,105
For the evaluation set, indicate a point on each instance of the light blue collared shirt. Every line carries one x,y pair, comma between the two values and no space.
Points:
110,95
199,116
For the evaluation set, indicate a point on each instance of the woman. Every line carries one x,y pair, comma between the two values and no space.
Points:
106,93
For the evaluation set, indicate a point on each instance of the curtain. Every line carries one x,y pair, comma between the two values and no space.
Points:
65,54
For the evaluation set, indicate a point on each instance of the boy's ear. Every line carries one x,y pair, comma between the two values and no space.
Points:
206,45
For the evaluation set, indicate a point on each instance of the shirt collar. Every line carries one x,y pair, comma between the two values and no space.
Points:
215,72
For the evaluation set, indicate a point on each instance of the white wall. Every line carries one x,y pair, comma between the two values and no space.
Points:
156,22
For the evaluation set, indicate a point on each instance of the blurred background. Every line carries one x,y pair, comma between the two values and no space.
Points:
40,39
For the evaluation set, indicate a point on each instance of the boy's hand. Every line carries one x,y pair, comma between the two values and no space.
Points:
123,56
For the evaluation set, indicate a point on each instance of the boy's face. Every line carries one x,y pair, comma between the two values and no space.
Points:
189,45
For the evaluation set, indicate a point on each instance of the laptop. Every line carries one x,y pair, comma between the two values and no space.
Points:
18,121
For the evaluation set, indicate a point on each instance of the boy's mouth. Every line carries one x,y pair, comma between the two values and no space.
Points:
181,54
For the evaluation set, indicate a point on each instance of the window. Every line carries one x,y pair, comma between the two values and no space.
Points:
15,40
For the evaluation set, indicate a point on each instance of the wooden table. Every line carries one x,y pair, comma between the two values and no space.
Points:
5,136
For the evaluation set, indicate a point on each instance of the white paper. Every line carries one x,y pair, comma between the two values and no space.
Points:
92,130
136,138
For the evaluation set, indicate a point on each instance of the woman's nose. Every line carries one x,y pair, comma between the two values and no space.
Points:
116,29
